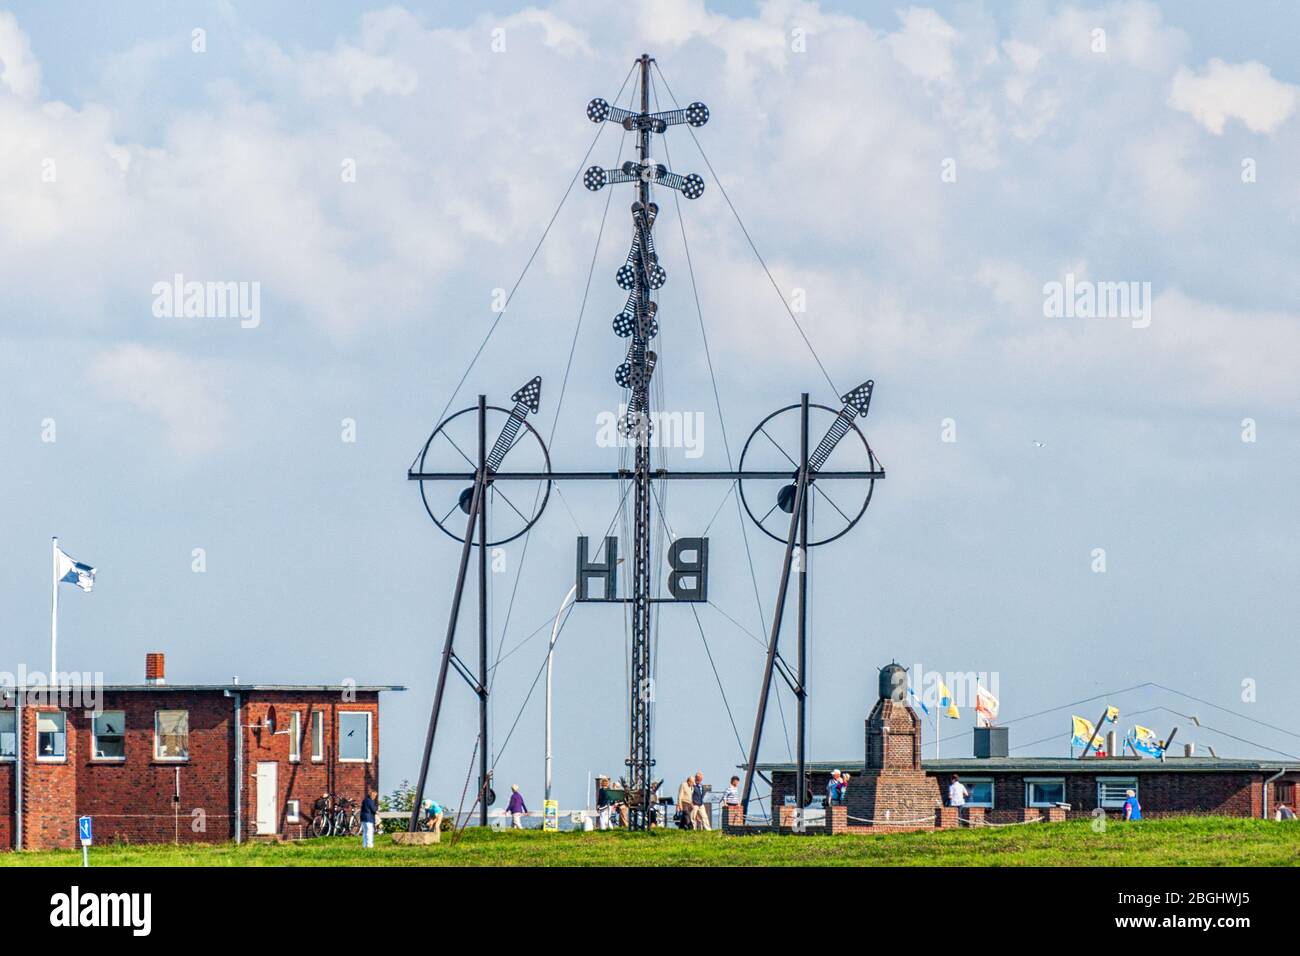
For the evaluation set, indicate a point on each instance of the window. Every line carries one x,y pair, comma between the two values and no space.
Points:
1285,789
980,791
318,735
295,737
107,729
1044,791
52,735
8,735
1111,791
291,811
171,735
354,736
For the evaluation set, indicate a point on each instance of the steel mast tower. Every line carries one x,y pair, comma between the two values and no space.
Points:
641,275
792,479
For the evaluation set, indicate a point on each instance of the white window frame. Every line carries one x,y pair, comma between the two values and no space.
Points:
317,736
970,781
157,739
1030,781
370,730
54,758
291,811
9,717
1122,783
94,737
295,737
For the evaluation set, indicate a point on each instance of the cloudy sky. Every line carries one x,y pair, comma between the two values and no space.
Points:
916,178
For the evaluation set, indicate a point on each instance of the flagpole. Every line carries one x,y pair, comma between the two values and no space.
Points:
54,608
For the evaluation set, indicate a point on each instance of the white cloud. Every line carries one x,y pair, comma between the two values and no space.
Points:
1246,92
19,71
925,43
184,395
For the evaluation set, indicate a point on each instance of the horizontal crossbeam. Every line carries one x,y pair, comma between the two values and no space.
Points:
624,474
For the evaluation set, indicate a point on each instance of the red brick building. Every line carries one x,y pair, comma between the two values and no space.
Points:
893,788
158,762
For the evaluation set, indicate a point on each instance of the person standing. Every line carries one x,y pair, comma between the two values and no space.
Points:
684,808
1132,809
369,807
957,792
732,796
699,808
516,808
833,788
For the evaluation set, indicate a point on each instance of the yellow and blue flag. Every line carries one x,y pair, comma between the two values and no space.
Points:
1144,741
946,703
1084,731
1112,714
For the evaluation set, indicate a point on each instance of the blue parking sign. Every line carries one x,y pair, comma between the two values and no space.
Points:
86,830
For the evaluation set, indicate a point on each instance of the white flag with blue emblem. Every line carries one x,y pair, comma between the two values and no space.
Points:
71,571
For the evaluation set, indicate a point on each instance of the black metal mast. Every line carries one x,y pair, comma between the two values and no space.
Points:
640,758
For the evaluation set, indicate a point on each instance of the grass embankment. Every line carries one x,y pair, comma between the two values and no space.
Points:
1204,841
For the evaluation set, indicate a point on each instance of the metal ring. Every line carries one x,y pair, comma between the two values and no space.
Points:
540,508
871,458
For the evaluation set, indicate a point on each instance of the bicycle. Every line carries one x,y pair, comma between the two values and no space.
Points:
346,819
335,816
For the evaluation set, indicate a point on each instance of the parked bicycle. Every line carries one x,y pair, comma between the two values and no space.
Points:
333,815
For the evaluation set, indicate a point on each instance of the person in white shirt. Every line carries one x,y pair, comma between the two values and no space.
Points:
957,793
732,797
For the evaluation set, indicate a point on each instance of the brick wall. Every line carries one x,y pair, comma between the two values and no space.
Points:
49,788
6,805
1161,794
133,800
306,779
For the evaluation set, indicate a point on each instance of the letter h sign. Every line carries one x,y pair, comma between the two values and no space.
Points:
688,578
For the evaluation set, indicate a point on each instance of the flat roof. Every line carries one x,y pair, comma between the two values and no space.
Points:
960,765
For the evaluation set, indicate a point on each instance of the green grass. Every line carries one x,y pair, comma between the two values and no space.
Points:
1207,841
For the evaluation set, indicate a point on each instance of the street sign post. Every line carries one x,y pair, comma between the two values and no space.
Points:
85,830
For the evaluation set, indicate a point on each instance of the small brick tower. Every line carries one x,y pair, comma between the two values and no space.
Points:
893,791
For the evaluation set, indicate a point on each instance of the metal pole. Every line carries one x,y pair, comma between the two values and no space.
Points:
1096,732
482,616
802,699
801,485
550,654
476,502
54,610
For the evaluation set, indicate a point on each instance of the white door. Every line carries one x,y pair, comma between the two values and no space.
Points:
268,803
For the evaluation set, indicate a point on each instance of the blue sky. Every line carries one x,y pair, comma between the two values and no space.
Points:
1120,164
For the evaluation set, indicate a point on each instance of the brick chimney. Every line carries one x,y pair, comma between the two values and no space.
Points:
154,669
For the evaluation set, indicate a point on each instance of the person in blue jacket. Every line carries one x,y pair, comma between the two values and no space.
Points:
1132,809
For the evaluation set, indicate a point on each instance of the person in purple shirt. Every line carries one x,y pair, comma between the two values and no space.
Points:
516,808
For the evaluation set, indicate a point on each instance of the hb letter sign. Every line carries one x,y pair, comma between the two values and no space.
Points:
688,579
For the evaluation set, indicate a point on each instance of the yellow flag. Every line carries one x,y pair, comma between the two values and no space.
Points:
1112,714
946,702
1084,731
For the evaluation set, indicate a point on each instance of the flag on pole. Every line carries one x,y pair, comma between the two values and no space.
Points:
1083,732
920,704
986,706
1144,741
71,571
1112,714
946,703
